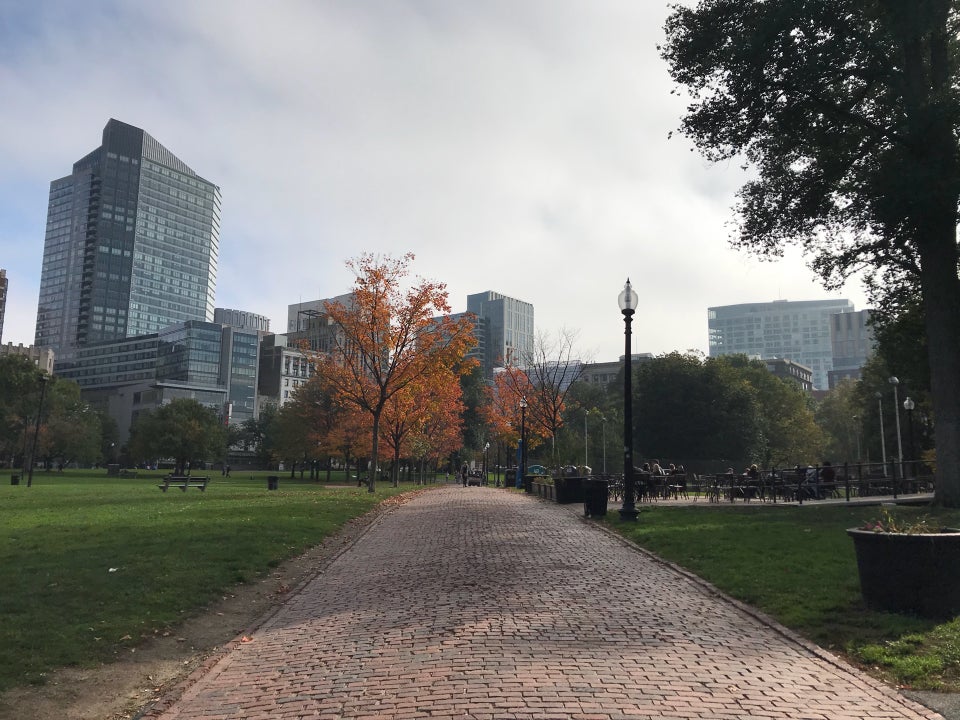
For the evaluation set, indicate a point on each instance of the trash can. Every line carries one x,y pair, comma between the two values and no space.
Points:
510,478
272,482
14,479
594,497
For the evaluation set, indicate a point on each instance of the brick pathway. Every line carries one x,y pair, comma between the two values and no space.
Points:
480,603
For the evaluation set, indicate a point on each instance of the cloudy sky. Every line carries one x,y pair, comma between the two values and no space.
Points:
513,145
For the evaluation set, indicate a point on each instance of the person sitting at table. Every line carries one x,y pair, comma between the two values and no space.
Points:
828,476
812,483
752,481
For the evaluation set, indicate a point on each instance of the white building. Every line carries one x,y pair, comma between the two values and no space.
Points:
798,331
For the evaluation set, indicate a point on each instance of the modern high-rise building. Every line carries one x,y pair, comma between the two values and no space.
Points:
797,331
3,298
505,329
853,341
131,245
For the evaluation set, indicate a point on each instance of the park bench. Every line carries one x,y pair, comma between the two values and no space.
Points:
183,482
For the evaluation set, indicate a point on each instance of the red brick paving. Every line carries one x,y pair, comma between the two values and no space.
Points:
480,604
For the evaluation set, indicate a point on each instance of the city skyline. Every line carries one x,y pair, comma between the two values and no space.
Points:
521,148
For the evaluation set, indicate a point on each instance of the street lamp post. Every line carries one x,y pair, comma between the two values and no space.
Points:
628,304
856,429
485,448
523,442
909,405
36,428
883,442
896,411
586,462
603,440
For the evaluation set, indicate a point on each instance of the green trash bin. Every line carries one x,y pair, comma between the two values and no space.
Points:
273,482
14,479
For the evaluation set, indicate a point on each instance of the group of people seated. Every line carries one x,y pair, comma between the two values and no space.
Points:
655,468
662,480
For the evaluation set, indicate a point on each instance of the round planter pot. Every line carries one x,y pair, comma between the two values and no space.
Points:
914,573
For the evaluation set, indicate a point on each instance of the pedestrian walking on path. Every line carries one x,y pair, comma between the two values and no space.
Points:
487,604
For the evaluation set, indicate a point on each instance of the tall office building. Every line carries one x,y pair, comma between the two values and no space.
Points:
3,298
131,245
853,342
506,325
798,331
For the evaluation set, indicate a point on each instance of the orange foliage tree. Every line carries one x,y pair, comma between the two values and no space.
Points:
389,337
423,418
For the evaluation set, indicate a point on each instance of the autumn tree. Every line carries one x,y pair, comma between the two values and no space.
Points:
848,113
544,379
389,337
349,437
423,417
441,433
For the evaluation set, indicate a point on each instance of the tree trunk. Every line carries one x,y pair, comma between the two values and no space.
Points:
941,297
374,465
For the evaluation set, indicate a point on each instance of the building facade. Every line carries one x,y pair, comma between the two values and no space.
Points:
43,358
797,331
505,329
131,245
3,298
300,314
284,369
853,342
216,365
789,370
242,320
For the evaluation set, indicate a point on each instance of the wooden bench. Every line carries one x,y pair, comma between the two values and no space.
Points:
183,482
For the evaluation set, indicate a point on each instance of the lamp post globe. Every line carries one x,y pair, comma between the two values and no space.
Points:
628,305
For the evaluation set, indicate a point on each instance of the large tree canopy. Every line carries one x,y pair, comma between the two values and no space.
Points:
848,113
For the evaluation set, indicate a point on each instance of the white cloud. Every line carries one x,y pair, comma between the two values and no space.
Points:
520,147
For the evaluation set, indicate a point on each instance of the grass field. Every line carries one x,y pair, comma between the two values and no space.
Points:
89,565
797,564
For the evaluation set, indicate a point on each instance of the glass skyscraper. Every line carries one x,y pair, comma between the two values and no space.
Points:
131,245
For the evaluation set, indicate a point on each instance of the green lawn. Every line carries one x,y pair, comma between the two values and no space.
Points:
797,564
90,564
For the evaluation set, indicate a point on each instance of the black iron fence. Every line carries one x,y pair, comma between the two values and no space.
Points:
799,483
